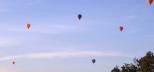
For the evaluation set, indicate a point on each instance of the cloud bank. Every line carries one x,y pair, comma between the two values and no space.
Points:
53,55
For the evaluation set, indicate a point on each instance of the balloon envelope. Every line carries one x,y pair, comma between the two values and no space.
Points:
28,26
93,61
79,16
150,2
121,28
13,62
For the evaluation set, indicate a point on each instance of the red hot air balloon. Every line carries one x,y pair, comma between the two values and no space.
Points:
121,28
150,2
28,26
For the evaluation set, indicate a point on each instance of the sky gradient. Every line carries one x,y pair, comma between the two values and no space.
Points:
59,42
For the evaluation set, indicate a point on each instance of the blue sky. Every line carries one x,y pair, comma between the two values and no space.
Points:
59,42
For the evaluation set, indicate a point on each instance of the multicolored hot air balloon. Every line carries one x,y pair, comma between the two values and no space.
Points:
28,26
79,16
93,61
121,28
150,2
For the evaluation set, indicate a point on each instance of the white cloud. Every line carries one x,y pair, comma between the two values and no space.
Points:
51,55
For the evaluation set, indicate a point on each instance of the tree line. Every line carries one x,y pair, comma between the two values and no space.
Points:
143,64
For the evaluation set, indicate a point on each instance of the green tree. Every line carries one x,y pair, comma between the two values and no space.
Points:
115,69
129,68
144,64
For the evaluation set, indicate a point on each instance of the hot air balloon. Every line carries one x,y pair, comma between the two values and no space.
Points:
28,26
13,62
121,28
150,2
79,16
93,61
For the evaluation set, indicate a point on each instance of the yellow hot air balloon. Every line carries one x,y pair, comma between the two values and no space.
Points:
150,2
